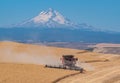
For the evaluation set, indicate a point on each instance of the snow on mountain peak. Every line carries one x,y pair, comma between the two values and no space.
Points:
50,15
51,18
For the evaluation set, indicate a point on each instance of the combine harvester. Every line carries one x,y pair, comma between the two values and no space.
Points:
68,62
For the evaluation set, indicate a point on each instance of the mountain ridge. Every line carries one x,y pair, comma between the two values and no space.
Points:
53,19
49,18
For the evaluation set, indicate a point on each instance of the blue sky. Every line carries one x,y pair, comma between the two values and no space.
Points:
102,14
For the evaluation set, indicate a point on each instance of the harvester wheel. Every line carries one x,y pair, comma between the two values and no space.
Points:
81,70
46,66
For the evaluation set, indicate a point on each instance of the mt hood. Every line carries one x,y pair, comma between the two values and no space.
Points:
51,19
51,26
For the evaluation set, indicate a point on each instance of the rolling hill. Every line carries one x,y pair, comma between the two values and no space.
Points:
24,63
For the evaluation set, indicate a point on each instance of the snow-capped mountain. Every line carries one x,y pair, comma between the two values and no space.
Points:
51,26
51,19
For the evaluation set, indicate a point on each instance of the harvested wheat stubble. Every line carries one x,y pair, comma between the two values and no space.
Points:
22,63
21,73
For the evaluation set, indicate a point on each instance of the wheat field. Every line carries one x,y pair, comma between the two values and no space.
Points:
24,63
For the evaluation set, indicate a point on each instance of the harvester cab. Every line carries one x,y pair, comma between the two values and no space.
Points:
68,60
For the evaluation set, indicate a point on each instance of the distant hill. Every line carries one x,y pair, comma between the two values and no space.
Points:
57,35
107,48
